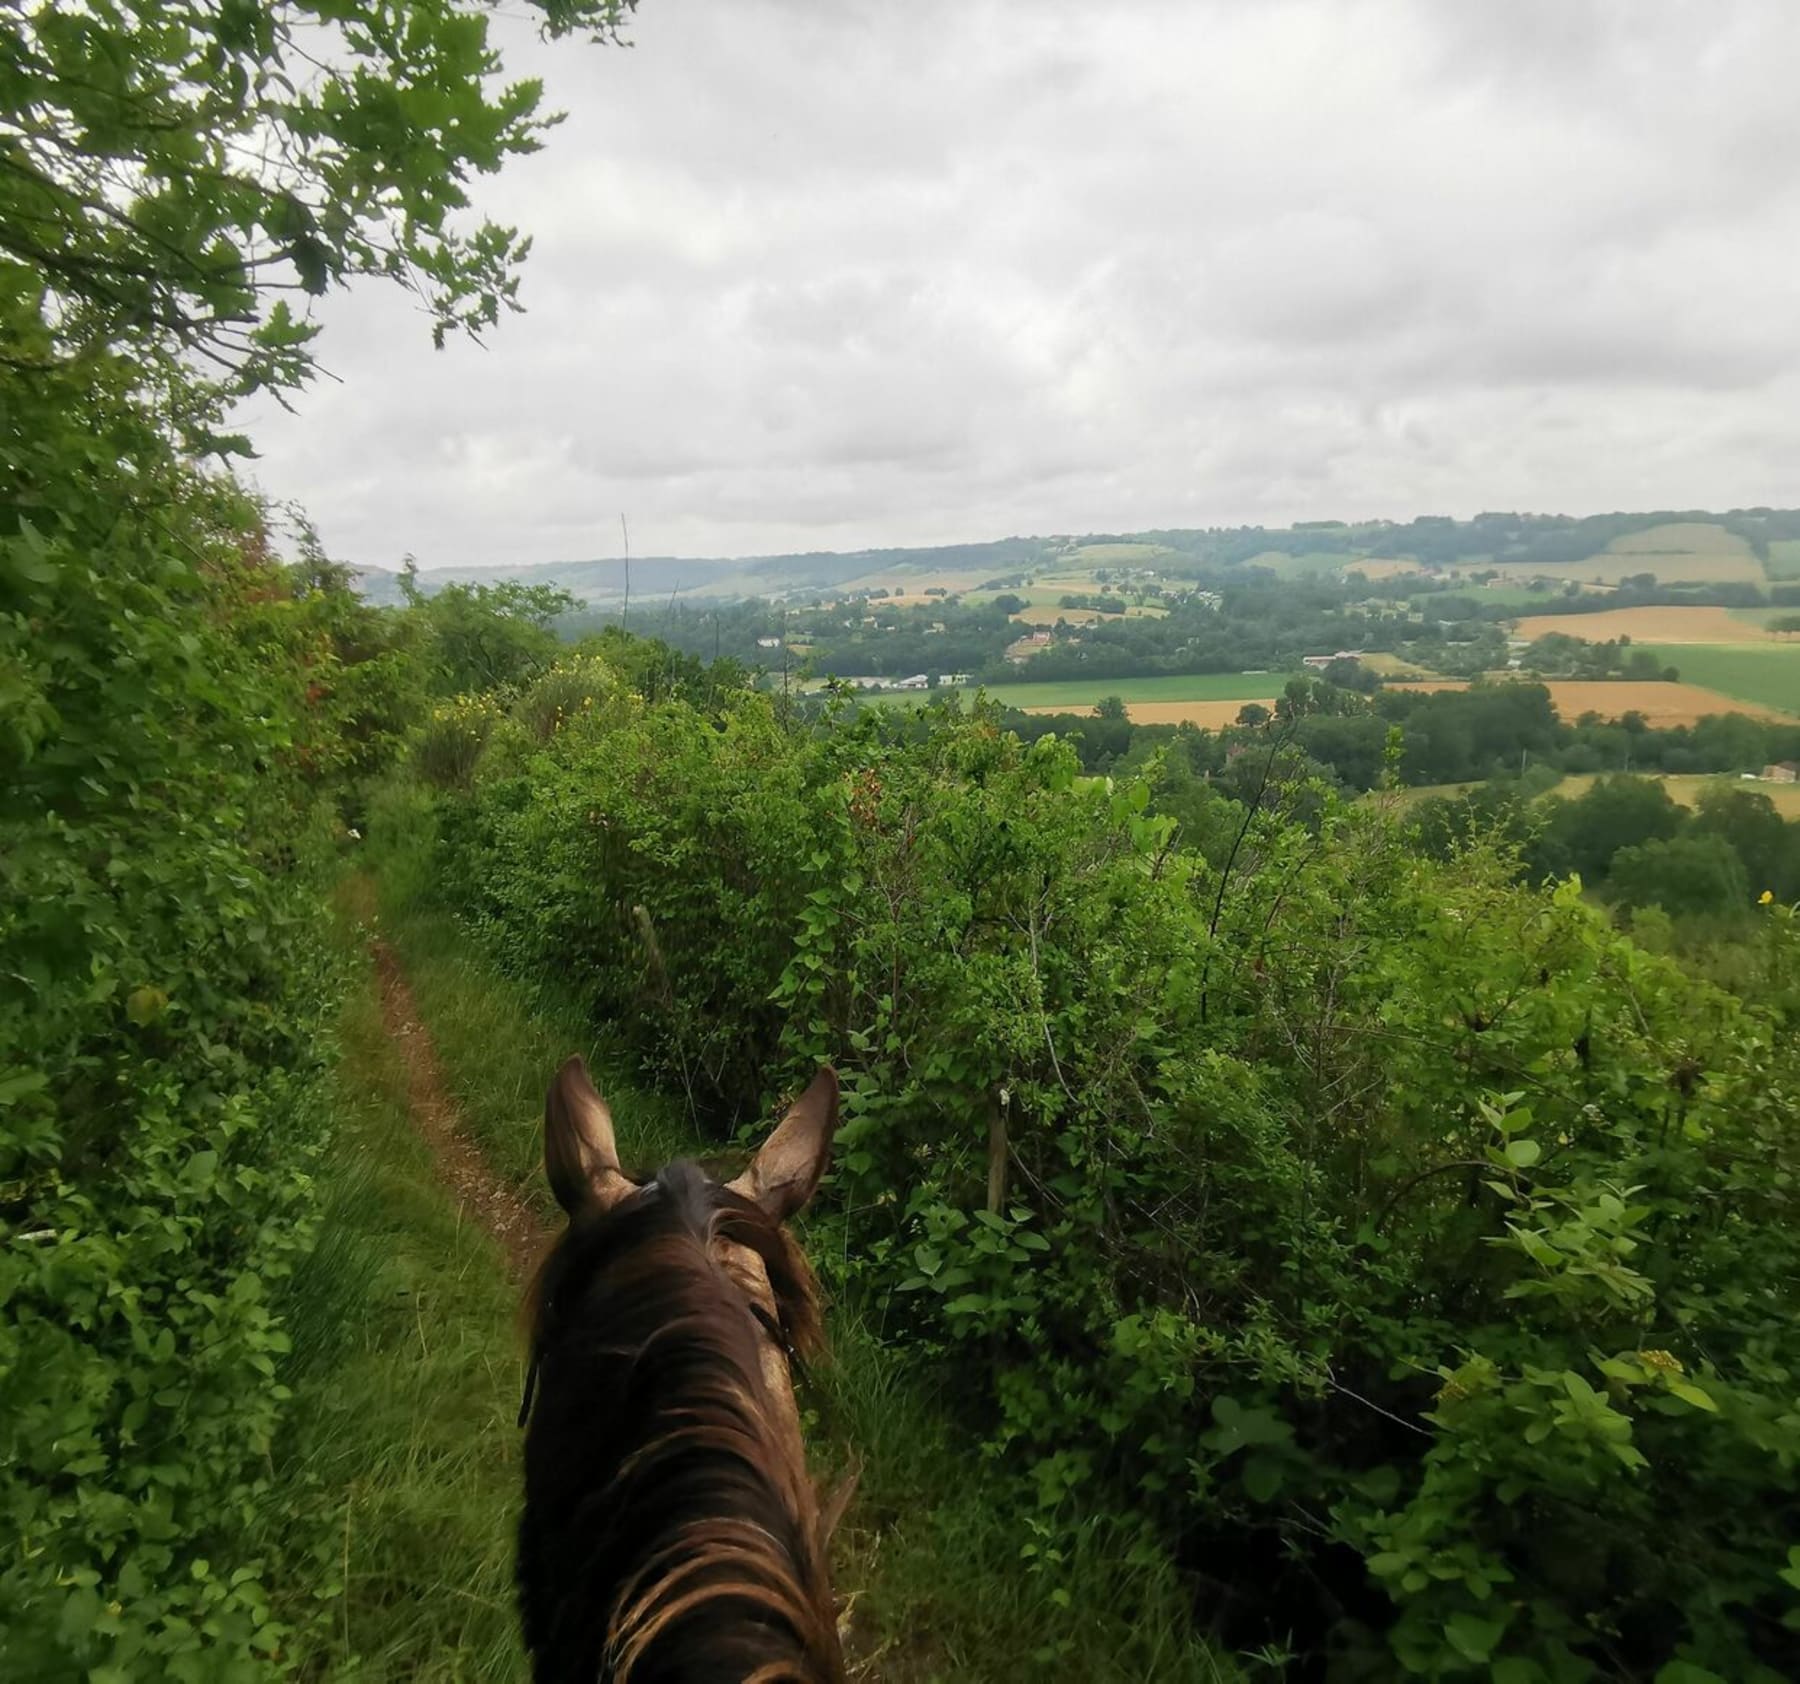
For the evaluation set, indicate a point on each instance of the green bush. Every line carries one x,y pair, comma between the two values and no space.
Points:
159,994
451,740
1359,1210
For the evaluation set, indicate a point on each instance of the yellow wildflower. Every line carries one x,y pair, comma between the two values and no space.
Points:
1765,897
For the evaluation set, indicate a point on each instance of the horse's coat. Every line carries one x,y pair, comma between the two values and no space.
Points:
670,1532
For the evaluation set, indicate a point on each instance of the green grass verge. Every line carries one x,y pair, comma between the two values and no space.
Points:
499,1041
931,1556
1768,673
402,1454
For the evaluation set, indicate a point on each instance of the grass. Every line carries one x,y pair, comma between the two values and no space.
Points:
407,1375
1693,551
1394,666
930,1553
499,1040
401,1459
1764,673
1784,558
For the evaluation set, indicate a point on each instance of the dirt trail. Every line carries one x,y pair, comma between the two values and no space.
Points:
482,1194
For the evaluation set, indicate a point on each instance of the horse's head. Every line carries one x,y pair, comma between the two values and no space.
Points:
669,1521
581,1159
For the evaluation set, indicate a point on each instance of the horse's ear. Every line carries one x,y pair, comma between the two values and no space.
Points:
580,1157
785,1173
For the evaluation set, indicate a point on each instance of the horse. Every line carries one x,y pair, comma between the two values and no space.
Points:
670,1533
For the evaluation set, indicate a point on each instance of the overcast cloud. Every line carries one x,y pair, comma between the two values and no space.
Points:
829,276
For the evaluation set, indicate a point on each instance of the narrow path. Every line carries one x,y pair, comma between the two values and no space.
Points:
482,1195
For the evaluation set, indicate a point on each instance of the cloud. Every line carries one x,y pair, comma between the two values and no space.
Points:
812,277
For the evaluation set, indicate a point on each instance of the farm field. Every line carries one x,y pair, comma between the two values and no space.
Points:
1672,624
1310,564
1047,614
1784,558
1208,716
1521,595
1118,555
1236,687
1393,666
1767,616
1766,674
1080,695
1684,550
1675,551
1663,705
911,584
1684,789
1382,568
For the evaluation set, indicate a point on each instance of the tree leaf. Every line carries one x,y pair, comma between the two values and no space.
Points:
1473,1637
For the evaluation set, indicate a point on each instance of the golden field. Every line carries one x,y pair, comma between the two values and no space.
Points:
1209,716
1649,625
1662,705
1684,789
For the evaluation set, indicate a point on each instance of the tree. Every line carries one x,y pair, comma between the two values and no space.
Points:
487,637
177,714
1767,844
1253,714
1618,812
1692,875
172,173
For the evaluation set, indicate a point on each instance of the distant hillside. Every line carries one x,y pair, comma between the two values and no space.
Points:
770,575
1746,546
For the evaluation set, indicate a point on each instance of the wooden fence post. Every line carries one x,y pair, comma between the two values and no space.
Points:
996,1191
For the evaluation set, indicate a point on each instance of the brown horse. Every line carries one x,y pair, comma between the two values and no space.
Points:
671,1534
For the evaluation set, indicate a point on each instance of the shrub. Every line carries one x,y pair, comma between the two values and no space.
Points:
159,997
452,739
1409,1244
582,686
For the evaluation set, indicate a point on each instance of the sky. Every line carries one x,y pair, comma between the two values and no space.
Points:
872,273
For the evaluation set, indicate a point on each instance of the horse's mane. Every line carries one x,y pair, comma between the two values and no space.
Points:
669,1535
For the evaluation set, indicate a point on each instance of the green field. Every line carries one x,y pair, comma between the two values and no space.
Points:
1309,565
1750,672
1118,555
1784,559
1517,596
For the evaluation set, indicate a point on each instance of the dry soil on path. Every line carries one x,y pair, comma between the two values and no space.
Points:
483,1196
